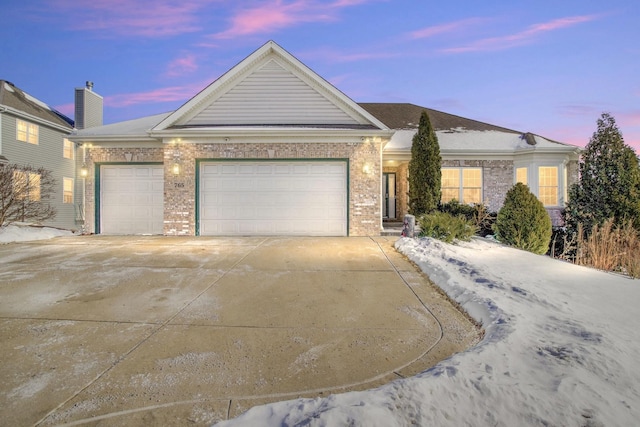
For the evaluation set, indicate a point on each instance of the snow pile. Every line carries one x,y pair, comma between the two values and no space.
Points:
560,349
24,233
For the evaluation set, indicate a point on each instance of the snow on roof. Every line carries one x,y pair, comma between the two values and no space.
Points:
136,127
474,140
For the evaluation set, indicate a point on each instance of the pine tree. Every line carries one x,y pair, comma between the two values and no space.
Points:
523,222
425,175
609,185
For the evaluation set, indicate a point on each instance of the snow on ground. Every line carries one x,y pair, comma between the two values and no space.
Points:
25,232
561,349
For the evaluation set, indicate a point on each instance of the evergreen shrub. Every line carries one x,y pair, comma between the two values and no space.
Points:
523,222
446,227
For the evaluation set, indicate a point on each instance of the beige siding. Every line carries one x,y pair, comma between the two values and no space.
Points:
272,95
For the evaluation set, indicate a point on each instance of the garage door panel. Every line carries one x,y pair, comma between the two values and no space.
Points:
131,199
273,198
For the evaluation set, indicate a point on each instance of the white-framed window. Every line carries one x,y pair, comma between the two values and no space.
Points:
67,150
462,184
26,185
548,185
522,175
67,190
27,132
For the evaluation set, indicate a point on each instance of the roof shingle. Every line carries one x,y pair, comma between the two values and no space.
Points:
17,99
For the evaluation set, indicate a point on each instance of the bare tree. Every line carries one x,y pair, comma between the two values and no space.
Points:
25,194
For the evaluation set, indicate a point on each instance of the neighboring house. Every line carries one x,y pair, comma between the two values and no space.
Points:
271,148
34,134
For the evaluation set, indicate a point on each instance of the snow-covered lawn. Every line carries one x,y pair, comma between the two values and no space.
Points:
562,348
25,232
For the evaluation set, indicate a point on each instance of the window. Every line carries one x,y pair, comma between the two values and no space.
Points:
68,149
26,185
522,175
548,185
67,190
27,132
462,184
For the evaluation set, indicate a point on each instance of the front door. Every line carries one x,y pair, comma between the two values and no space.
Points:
389,188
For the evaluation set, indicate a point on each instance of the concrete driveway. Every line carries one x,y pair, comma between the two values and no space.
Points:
101,330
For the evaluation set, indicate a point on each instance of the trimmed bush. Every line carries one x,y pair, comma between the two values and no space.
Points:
446,227
523,221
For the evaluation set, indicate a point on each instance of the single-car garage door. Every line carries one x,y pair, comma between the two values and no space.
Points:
131,199
304,198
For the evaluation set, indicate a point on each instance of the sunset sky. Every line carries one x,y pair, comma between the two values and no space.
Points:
548,67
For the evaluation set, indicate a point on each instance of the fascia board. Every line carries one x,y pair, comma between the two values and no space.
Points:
111,138
32,118
271,132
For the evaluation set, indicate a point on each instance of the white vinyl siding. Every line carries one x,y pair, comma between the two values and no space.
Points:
462,184
273,198
272,95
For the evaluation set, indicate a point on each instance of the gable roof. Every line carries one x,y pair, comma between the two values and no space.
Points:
270,88
19,101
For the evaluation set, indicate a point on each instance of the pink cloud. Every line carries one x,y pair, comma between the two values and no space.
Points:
66,109
149,18
181,66
445,28
166,94
277,14
521,38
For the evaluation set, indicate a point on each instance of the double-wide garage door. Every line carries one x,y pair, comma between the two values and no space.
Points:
131,199
306,198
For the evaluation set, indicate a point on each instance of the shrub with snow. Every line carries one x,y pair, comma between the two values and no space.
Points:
523,222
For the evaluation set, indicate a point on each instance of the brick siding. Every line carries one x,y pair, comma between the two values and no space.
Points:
180,190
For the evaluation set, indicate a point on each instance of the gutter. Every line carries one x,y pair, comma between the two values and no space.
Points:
38,120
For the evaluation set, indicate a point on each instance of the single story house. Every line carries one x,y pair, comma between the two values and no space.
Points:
271,148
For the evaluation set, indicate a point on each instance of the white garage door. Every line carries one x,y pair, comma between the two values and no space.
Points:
131,199
273,198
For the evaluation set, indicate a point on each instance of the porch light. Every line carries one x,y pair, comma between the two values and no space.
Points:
84,171
367,169
175,169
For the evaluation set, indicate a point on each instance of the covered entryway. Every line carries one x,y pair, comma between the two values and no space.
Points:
304,198
131,199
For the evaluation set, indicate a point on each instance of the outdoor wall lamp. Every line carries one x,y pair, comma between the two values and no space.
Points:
175,169
84,171
367,169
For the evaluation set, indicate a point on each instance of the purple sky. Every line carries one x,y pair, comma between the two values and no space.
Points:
548,67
